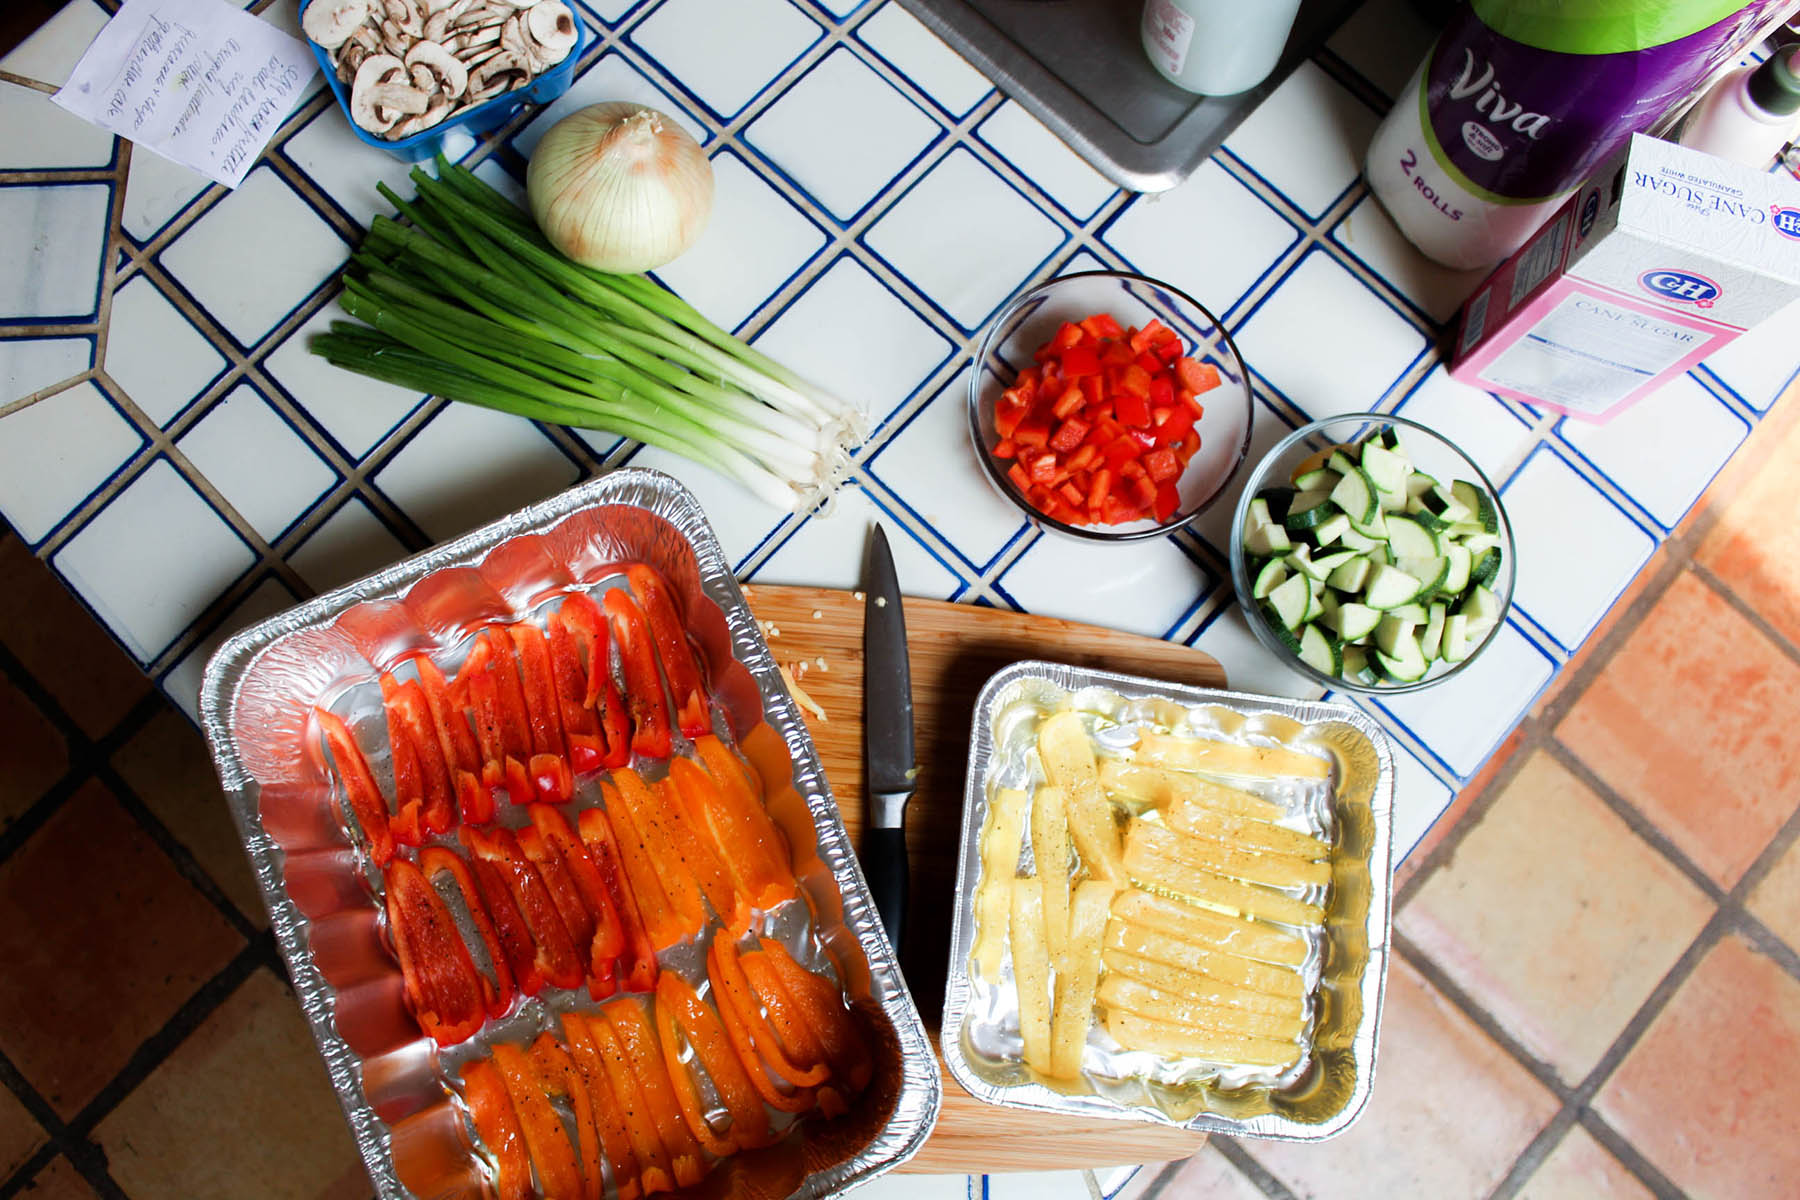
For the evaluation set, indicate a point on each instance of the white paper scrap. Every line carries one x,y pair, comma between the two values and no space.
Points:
197,81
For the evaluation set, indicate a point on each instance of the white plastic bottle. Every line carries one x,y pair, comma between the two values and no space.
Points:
1748,116
1521,100
1216,47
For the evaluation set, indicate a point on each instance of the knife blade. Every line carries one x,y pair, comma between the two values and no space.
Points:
888,765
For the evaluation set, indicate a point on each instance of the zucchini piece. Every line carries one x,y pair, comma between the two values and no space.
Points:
1430,572
1355,495
1389,587
1308,510
1409,539
1318,651
1485,567
1351,575
1418,483
1456,645
1340,462
1285,636
1328,607
1350,539
1357,668
1300,559
1278,499
1412,614
1407,667
1267,540
1356,621
1393,635
1290,600
1380,554
1461,562
1331,560
1376,527
1481,608
1270,574
1477,542
1423,516
1479,504
1331,529
1322,479
1432,637
1258,515
1388,438
1387,470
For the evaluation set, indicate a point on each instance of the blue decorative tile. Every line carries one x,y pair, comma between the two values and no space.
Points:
905,44
745,46
467,466
56,453
741,520
1760,364
358,412
1146,587
611,77
347,545
37,135
346,168
1306,139
49,54
1477,423
52,275
1367,232
154,352
828,551
155,190
1248,667
260,465
1039,1185
29,365
1046,160
182,681
1266,428
1462,719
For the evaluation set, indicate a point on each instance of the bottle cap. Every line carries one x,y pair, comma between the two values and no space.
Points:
1775,86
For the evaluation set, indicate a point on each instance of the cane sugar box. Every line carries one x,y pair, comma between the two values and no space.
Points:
1651,266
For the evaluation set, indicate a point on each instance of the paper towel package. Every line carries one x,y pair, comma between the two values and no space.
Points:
1652,265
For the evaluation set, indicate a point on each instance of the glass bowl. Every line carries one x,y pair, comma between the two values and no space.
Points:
1431,453
1029,320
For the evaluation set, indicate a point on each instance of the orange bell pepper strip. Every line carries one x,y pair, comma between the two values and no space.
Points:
639,948
760,876
742,788
694,850
557,1076
569,674
498,987
729,972
798,1039
743,1043
553,960
654,596
638,1040
609,1117
580,618
657,1175
557,1170
504,749
425,803
607,941
441,984
368,807
680,1013
823,1009
499,1128
561,886
667,892
651,736
457,743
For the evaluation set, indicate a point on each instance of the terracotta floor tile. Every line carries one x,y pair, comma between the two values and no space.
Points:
103,943
60,644
20,1134
1606,917
1450,1112
58,1181
1776,900
1210,1174
168,767
32,754
1708,1095
1581,1169
1759,558
241,1108
1692,721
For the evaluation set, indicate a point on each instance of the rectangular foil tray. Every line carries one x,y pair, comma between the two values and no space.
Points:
257,692
1329,1088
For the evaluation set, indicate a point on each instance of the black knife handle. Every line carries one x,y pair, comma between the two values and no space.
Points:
884,866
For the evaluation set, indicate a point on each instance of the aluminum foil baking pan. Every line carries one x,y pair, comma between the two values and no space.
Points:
321,893
1347,962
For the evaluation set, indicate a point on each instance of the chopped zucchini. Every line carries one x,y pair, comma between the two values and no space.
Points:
1355,495
1356,621
1309,509
1270,574
1407,538
1480,505
1323,479
1432,636
1319,652
1331,529
1350,576
1290,599
1390,587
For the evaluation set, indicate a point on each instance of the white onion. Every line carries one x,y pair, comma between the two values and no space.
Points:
620,187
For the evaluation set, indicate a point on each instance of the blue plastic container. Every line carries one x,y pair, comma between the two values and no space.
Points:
486,116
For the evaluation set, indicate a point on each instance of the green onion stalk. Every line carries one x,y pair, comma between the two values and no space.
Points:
463,298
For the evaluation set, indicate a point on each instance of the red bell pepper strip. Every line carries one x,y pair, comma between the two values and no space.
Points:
822,1008
499,1128
561,886
680,1013
676,857
727,974
517,949
638,1040
743,1042
582,618
554,1159
643,874
368,807
554,960
441,984
758,870
568,669
639,951
650,734
607,941
558,1077
609,1117
498,987
656,599
549,766
502,769
409,717
408,822
457,742
657,1174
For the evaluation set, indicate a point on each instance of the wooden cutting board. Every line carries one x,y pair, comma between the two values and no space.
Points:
953,649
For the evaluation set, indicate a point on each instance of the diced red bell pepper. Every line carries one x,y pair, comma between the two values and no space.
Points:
442,986
1084,457
1034,430
1067,335
639,953
1143,492
1008,414
1162,465
1099,488
1144,439
1146,337
368,807
1134,381
1020,480
457,741
1114,511
608,938
554,960
1078,361
1101,326
1041,468
1005,448
651,736
1132,409
498,987
1167,501
1195,376
1175,427
1069,435
1162,392
692,712
1121,451
1069,403
498,1126
1072,493
1117,354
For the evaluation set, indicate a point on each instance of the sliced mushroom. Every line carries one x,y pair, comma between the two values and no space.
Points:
463,44
440,107
407,15
368,37
382,94
480,16
437,25
331,22
349,57
443,73
496,75
520,3
552,27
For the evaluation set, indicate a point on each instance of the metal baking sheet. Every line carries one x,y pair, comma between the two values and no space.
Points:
322,893
1346,966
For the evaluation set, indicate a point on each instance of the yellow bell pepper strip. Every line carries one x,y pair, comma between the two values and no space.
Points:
655,597
557,1076
579,621
638,1040
607,940
368,807
729,981
759,876
680,1013
457,743
559,1175
609,1118
653,1160
553,960
640,810
799,1040
823,1008
498,1127
442,986
639,951
650,733
498,988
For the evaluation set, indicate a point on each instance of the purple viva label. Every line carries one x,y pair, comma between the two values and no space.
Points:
1527,124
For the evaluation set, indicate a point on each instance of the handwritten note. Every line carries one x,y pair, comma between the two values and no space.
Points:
197,81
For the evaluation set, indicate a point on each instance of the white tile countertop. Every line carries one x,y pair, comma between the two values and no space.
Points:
171,449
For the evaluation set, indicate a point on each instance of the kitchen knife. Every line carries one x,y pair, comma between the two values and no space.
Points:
888,767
